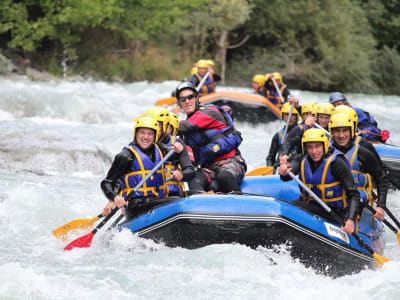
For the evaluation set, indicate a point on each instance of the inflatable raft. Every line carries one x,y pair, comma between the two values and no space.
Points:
257,220
245,106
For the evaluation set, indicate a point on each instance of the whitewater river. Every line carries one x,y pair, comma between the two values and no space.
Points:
57,140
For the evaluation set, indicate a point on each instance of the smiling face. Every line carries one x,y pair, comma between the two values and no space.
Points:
315,150
293,118
145,137
188,101
341,136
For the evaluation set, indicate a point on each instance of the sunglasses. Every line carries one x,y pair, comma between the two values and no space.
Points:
189,97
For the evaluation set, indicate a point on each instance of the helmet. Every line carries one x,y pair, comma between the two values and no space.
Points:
202,63
335,97
160,114
210,62
341,120
314,135
286,110
350,111
174,122
147,122
185,84
278,76
260,79
309,107
325,108
193,71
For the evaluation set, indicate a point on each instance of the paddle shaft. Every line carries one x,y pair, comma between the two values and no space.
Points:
287,123
329,210
202,81
391,227
322,128
395,220
277,89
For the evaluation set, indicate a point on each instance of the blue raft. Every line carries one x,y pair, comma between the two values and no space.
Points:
266,219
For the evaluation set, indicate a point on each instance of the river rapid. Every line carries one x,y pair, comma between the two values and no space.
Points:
57,142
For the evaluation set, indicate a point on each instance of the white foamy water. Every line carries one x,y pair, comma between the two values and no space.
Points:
57,142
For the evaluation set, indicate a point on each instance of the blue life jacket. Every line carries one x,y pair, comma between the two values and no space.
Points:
273,95
280,135
363,180
208,85
175,188
209,144
141,166
322,183
367,126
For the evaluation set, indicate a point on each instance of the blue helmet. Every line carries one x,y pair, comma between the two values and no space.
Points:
336,96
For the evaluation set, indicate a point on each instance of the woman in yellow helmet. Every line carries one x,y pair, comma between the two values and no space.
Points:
258,84
131,165
325,170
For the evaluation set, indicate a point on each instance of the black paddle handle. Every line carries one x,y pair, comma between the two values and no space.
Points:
105,220
392,216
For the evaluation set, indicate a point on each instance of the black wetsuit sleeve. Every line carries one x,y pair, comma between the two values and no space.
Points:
273,150
369,164
370,147
285,94
217,77
187,168
293,139
341,172
121,165
295,165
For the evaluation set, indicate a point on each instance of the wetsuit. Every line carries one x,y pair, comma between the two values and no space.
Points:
368,163
276,145
340,172
293,141
225,171
178,159
112,185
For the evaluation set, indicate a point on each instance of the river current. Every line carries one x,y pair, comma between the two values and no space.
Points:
57,141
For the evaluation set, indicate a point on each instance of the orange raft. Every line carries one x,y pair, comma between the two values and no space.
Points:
245,106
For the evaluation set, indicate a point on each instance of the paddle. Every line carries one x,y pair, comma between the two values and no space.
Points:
391,227
277,89
61,231
379,260
322,128
287,123
392,216
86,240
261,171
202,81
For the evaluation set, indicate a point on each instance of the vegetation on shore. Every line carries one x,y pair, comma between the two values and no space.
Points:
345,45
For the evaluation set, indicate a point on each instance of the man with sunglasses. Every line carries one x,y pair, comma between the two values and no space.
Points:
209,131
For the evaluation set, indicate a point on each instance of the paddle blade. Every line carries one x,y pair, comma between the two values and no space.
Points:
75,224
398,236
82,242
379,260
261,171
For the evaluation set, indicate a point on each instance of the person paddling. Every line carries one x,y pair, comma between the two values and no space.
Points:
363,162
277,92
326,171
280,136
131,165
203,70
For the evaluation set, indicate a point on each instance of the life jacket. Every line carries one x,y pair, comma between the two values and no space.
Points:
174,188
214,144
273,95
367,126
141,166
208,85
322,183
281,133
363,180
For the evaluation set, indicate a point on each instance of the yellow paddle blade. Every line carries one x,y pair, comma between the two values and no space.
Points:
398,236
379,260
75,224
165,101
261,171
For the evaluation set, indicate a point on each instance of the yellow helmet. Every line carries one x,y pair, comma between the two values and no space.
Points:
161,114
350,111
314,135
147,122
174,122
278,76
210,62
260,79
309,107
202,63
286,110
341,120
325,108
193,71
